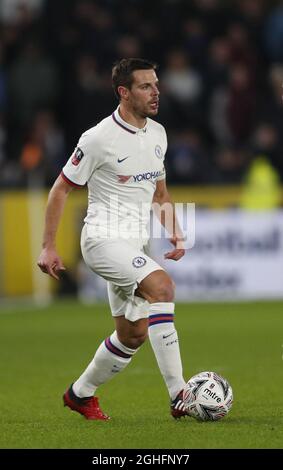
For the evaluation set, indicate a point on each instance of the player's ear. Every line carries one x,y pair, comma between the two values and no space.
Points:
123,92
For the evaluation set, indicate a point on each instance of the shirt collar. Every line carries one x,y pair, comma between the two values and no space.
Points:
125,125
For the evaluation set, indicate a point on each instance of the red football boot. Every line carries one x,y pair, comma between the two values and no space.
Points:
88,407
178,408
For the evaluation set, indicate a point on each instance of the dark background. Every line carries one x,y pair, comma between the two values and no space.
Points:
220,67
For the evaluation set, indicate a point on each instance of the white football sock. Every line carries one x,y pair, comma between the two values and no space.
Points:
164,341
111,357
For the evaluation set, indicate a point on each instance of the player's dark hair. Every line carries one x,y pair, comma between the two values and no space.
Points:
122,72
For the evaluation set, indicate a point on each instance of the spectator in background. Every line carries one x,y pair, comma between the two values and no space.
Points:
183,85
180,80
212,15
187,159
270,106
195,40
261,189
3,137
230,164
252,14
3,81
33,83
51,139
11,10
88,97
43,153
240,109
273,34
241,48
151,37
128,46
266,142
232,110
210,54
96,30
218,63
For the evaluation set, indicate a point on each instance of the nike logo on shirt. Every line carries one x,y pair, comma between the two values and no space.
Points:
120,160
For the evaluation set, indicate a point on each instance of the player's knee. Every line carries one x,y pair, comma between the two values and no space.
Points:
165,291
135,341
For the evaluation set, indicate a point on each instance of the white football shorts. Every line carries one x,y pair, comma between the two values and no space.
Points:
123,263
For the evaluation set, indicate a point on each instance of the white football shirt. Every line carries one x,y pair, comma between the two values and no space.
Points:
120,165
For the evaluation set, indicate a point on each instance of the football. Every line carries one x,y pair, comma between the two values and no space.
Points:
208,396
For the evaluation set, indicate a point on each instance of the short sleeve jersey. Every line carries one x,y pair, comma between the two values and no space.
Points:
120,165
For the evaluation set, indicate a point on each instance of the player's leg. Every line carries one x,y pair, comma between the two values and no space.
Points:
112,356
131,334
124,266
107,258
158,289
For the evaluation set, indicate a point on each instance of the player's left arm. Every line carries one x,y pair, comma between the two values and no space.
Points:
165,212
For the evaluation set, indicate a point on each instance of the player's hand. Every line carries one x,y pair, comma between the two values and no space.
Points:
179,251
50,263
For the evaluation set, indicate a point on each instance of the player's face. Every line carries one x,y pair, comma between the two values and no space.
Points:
143,97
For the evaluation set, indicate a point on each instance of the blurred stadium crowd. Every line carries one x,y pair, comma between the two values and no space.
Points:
220,67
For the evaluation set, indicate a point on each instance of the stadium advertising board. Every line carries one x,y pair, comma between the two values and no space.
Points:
236,255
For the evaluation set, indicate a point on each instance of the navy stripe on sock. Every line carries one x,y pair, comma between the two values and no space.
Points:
115,350
161,318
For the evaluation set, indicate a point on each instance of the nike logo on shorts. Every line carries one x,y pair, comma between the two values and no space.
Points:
167,336
120,160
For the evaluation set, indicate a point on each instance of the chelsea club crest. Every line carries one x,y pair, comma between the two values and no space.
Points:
158,151
139,261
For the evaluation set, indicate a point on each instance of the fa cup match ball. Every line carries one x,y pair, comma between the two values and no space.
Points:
208,396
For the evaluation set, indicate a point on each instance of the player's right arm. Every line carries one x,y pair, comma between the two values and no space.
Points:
76,173
49,262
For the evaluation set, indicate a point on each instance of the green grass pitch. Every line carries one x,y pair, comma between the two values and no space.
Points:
43,350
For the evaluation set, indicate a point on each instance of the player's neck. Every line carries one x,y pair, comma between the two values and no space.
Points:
131,118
